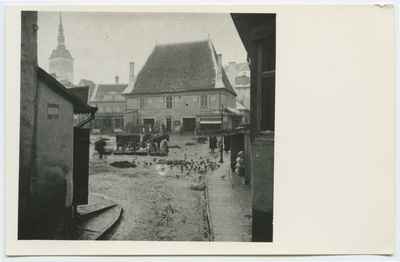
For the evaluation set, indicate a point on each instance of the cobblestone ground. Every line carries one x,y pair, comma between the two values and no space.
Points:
155,207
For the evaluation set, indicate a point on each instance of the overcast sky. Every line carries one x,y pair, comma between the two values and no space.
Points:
103,44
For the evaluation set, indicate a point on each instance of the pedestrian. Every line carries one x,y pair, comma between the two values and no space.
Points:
181,129
163,129
99,146
213,143
164,146
227,143
153,149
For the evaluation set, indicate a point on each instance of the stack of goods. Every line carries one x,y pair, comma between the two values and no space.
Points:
239,168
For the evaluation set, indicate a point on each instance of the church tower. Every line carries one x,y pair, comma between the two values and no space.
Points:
61,62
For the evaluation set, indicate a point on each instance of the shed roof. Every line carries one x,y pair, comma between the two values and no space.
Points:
176,67
79,106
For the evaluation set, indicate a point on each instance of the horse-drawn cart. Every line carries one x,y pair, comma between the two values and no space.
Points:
126,144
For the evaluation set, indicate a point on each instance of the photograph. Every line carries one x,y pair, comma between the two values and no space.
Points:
147,126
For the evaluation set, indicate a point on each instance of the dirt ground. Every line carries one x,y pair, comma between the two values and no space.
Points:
159,202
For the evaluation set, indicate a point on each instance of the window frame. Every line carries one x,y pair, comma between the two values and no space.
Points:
168,104
142,105
202,100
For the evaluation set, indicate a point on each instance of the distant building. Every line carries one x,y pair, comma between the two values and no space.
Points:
111,104
91,86
239,76
61,62
181,84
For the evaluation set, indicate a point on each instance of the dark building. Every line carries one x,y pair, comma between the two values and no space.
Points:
53,177
257,32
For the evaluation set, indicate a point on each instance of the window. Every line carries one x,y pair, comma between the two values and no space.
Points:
266,80
119,123
142,102
203,101
107,122
169,101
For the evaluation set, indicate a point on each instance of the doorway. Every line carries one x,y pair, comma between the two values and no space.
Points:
168,121
148,121
189,124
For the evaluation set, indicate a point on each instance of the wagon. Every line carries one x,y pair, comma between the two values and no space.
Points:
126,139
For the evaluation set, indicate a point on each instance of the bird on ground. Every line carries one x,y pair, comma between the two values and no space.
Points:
223,176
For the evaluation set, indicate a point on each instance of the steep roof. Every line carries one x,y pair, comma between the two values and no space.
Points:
91,86
240,68
101,90
176,67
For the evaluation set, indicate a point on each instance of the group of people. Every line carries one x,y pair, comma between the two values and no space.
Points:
151,147
214,143
154,129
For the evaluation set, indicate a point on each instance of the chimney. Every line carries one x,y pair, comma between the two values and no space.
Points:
232,74
116,79
219,63
131,72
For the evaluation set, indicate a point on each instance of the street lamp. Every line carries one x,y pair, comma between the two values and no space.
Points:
221,111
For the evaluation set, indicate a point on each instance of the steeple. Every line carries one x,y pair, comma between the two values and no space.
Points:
61,38
61,62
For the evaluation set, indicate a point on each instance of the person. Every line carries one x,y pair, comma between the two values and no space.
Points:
142,150
153,148
163,129
213,143
164,146
99,146
121,146
227,143
181,129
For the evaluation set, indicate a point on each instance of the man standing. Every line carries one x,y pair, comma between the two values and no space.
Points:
99,146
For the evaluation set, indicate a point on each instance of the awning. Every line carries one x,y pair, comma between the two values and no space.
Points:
210,121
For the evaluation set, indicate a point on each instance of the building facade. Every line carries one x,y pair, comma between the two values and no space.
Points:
111,107
239,76
182,85
61,62
47,160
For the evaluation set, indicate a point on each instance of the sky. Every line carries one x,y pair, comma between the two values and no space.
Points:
103,44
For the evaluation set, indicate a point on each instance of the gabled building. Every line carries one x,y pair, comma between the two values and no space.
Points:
111,107
239,76
53,154
182,85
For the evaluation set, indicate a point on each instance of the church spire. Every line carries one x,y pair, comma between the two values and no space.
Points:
61,38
